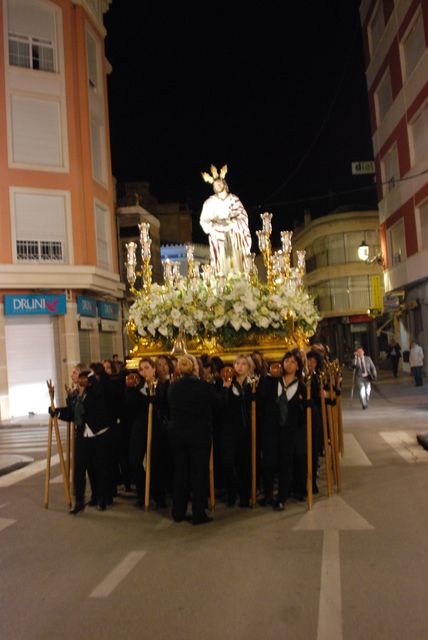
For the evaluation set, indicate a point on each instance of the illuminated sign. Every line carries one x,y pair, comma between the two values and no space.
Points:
50,304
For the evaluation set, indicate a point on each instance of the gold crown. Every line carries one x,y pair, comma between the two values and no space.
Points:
215,174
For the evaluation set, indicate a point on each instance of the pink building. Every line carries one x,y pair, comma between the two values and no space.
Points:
395,34
60,290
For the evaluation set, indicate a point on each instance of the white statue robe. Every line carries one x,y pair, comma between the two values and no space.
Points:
226,223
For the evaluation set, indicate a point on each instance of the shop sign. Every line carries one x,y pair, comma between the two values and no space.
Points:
88,324
377,297
364,317
108,310
86,306
109,326
35,304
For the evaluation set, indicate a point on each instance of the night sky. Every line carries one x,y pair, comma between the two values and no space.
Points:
277,92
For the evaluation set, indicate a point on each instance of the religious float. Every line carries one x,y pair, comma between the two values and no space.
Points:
221,308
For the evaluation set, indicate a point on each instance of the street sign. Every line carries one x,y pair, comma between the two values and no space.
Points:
363,167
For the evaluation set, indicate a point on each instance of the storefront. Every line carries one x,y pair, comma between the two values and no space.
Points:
45,336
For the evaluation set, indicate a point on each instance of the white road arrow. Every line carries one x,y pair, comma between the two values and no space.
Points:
331,516
6,522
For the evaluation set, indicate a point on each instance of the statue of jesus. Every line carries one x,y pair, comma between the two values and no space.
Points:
225,220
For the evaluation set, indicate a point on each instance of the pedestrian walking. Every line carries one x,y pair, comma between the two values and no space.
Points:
394,355
365,374
416,361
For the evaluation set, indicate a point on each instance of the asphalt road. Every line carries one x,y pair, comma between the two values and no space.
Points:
354,567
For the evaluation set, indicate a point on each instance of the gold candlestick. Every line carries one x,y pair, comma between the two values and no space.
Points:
131,263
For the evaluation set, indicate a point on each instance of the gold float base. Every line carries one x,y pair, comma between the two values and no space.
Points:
272,346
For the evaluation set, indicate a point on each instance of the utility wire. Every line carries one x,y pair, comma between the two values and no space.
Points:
332,194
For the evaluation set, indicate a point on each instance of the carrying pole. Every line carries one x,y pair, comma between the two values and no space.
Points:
60,450
327,451
254,382
152,391
309,441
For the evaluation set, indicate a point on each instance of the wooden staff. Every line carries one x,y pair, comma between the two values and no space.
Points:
338,379
152,391
254,382
211,470
54,419
331,412
309,440
73,457
325,434
48,463
68,452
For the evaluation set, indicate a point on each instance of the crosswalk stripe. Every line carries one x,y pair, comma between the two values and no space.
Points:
30,470
354,455
405,444
18,449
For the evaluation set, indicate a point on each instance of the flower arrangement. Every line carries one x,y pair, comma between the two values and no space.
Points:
228,309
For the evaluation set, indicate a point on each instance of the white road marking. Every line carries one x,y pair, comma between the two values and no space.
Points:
163,524
119,573
354,455
18,449
331,516
6,522
405,444
30,470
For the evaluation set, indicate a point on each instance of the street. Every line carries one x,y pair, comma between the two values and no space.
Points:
354,567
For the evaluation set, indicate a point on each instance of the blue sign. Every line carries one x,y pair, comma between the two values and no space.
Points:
86,306
50,305
108,310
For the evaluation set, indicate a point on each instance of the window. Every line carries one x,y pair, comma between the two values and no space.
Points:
99,169
419,134
390,169
103,236
340,294
423,216
359,292
44,250
377,26
352,242
383,96
40,228
31,35
397,243
336,249
414,45
92,61
36,131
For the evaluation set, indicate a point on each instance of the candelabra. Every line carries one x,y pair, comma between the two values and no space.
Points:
145,242
286,251
265,246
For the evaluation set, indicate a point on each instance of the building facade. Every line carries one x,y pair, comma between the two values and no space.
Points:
347,291
395,35
59,281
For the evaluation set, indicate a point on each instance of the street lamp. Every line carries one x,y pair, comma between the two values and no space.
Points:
363,254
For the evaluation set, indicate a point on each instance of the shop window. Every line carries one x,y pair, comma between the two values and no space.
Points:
106,345
85,346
